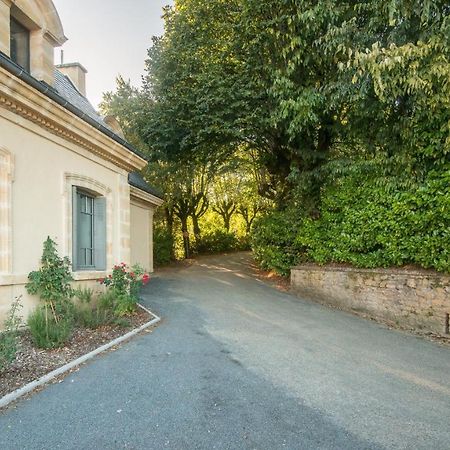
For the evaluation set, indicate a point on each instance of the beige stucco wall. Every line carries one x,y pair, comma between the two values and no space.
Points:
142,235
44,151
44,168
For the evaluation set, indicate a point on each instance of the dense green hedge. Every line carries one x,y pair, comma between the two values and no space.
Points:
162,247
219,241
366,222
273,240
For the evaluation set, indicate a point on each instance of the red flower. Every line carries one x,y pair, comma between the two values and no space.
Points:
101,280
145,278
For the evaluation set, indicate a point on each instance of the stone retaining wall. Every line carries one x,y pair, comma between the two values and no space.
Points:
417,299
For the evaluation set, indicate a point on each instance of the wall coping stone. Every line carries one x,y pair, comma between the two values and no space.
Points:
416,272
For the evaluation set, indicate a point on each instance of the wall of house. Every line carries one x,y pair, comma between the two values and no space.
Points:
142,235
416,299
37,170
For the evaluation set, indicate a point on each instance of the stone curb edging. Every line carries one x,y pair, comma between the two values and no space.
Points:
15,395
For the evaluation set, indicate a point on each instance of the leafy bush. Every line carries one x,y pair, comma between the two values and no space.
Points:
243,243
47,332
8,339
217,241
273,240
163,245
124,285
372,225
367,222
52,281
51,324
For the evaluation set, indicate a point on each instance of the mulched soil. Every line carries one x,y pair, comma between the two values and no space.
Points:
281,283
32,363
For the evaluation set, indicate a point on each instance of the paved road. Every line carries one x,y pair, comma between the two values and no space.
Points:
237,364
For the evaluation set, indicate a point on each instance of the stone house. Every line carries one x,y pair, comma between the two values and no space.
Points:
65,172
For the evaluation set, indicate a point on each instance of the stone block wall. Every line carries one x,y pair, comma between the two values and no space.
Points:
409,298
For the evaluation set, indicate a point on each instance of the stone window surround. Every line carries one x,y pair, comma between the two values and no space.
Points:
92,185
6,180
46,33
22,45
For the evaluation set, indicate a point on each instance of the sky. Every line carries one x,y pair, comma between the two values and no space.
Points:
109,37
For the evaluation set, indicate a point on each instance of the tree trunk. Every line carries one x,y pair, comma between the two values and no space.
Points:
186,240
323,148
169,225
169,220
248,226
196,226
226,222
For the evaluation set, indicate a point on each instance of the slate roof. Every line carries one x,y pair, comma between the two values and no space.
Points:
69,92
67,89
136,180
67,95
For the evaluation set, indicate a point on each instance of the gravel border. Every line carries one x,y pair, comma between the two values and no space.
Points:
15,395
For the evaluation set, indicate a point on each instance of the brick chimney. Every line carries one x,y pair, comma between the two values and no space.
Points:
77,74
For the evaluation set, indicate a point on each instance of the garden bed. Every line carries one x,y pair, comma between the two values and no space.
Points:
32,363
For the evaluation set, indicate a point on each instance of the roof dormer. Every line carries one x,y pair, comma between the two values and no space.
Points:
29,32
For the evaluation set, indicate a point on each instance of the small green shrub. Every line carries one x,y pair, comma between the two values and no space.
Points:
9,337
106,300
107,310
163,245
51,324
124,305
93,317
84,295
52,281
113,305
46,332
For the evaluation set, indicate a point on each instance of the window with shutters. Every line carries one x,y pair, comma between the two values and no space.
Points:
89,231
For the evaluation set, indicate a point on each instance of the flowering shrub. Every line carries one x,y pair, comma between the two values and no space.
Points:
125,282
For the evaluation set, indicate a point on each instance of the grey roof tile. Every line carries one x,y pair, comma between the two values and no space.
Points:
67,95
136,180
68,91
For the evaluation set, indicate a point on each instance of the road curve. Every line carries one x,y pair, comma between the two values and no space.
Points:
237,364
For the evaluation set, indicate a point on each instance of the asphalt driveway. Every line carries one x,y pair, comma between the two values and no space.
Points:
236,364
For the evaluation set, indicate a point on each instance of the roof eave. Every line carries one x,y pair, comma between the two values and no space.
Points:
7,64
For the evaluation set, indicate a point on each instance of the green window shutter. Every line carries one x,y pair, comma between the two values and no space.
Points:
100,233
75,208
